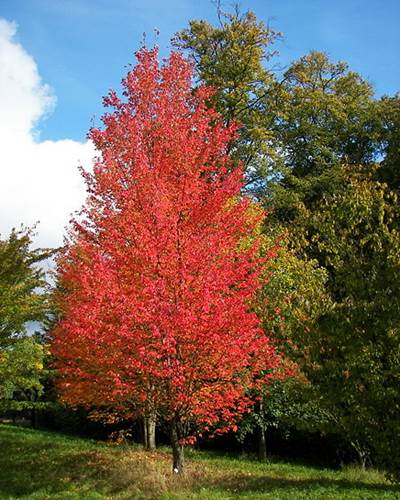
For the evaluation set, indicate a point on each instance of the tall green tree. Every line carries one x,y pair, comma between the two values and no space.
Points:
327,117
298,132
353,354
231,58
339,143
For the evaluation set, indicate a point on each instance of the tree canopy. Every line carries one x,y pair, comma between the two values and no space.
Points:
158,278
22,284
24,299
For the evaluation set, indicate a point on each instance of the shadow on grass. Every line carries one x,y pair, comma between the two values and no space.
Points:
242,484
47,465
55,466
277,477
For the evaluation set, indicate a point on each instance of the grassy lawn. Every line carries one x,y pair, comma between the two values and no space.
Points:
38,465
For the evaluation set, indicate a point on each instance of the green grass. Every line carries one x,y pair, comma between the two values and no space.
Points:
45,465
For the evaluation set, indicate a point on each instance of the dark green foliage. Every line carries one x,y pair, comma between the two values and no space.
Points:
316,146
353,356
390,171
326,117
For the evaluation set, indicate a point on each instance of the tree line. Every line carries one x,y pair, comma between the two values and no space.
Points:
283,191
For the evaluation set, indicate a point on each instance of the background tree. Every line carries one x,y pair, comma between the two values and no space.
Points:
22,285
316,118
290,301
22,377
332,119
159,275
327,117
230,58
23,299
234,64
354,352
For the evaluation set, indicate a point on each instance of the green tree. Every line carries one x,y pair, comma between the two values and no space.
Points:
331,119
23,299
231,58
22,285
327,117
290,302
298,132
353,355
22,375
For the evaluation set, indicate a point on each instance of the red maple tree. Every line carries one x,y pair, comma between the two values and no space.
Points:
158,275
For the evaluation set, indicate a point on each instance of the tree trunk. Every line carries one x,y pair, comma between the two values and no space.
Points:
34,398
33,418
149,432
363,458
262,444
362,453
177,450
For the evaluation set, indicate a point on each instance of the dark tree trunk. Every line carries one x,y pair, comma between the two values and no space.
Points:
33,418
177,450
33,412
262,443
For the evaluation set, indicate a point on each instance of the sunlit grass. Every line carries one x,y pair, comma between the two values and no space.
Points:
39,465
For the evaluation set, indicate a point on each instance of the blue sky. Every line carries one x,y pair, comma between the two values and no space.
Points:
81,47
59,57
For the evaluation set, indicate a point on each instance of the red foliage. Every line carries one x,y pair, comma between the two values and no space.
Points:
157,278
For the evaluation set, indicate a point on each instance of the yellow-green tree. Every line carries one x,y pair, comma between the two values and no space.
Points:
353,354
23,299
22,285
22,376
311,143
327,116
232,58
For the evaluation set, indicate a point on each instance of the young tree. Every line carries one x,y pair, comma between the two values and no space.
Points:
289,303
23,299
157,279
22,285
22,375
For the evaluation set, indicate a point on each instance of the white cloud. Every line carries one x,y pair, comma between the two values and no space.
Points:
39,180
